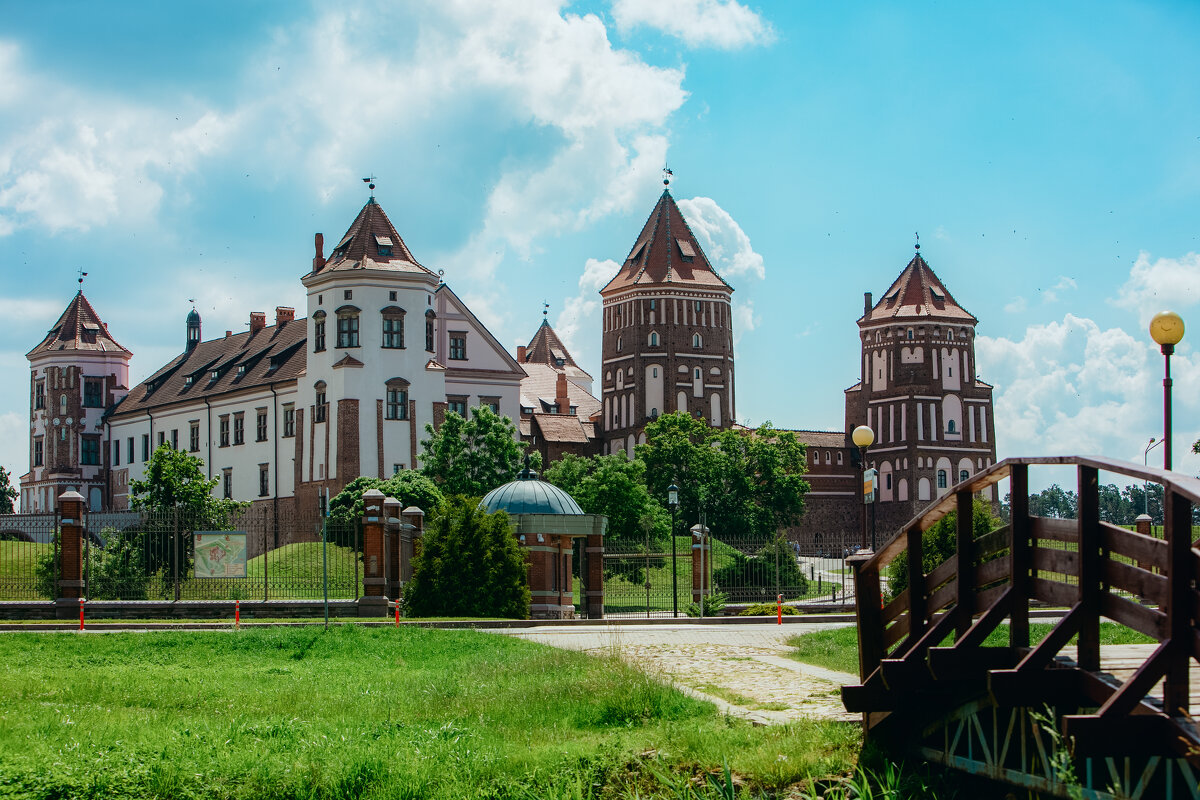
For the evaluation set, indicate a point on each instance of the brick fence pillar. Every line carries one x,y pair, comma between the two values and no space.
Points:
70,555
410,540
593,584
391,546
373,603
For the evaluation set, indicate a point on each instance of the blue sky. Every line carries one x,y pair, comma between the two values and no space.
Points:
1049,158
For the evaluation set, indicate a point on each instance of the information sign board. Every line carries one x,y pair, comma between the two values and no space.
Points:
220,554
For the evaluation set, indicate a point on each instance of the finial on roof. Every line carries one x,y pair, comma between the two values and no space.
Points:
370,185
667,173
82,275
918,245
545,311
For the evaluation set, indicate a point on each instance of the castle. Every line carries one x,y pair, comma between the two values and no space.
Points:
279,412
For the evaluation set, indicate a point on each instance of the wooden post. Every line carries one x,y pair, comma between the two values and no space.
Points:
867,601
964,582
1177,524
70,568
1020,554
373,603
916,583
1089,568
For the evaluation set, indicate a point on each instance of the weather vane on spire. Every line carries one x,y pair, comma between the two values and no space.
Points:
370,182
545,310
82,275
918,235
667,173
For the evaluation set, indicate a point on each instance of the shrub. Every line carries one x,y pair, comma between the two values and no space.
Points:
938,544
470,565
115,572
714,605
769,610
759,572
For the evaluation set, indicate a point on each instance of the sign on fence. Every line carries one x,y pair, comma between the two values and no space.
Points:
220,554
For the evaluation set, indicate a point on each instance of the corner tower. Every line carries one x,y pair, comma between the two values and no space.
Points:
918,391
667,333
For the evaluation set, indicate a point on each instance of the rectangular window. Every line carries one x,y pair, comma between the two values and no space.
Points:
319,335
93,392
289,420
393,332
397,403
458,347
227,483
145,447
194,437
162,438
239,428
321,404
38,453
428,335
391,295
492,402
129,450
264,480
116,454
458,405
224,430
260,426
174,438
39,395
89,452
347,330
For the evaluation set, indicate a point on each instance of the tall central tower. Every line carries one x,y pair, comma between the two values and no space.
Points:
668,333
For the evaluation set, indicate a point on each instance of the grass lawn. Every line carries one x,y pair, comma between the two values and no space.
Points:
17,561
838,648
364,713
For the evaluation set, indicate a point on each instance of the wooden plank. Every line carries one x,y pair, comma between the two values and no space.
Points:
997,609
1131,693
1059,530
941,573
1058,637
1018,628
1142,619
894,609
895,632
942,598
993,542
1129,578
1054,592
991,572
1146,550
1177,524
916,581
964,537
1064,562
987,597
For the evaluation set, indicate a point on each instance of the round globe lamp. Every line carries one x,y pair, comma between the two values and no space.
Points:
1166,329
863,437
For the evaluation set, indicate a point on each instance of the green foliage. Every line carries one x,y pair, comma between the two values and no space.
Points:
470,565
938,544
773,565
769,610
472,456
8,493
173,480
749,483
1120,506
408,486
714,605
115,572
614,486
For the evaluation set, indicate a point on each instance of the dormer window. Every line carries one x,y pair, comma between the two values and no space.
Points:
241,370
216,373
188,380
686,252
384,245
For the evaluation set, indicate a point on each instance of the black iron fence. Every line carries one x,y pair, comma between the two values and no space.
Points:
254,554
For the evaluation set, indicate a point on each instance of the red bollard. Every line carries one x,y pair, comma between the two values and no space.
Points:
81,613
397,614
779,607
237,613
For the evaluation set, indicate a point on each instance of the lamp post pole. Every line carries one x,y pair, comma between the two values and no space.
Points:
673,502
1153,443
1166,328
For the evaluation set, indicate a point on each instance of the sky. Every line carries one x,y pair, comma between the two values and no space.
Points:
1048,155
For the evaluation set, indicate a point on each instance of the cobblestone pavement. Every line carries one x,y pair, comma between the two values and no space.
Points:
743,669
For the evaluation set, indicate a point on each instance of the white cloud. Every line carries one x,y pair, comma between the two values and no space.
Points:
580,314
744,319
1016,305
723,24
30,309
1167,283
14,444
723,240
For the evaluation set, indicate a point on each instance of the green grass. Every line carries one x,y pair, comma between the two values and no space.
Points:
364,713
838,648
17,561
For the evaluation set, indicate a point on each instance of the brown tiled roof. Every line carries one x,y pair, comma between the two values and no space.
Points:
546,348
659,252
271,355
810,438
360,247
539,387
917,294
78,328
560,428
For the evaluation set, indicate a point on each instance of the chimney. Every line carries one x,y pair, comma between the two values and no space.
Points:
521,353
866,303
228,334
284,314
258,321
319,259
560,394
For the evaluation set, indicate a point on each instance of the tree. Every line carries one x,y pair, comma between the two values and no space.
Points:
470,565
175,479
408,486
471,457
614,486
939,543
8,495
748,483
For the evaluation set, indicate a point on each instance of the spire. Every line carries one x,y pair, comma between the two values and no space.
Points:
546,348
666,252
193,328
79,327
371,242
917,294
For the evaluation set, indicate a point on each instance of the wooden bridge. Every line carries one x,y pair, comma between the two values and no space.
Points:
1111,722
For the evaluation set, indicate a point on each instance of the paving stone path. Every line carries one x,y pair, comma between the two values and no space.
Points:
743,669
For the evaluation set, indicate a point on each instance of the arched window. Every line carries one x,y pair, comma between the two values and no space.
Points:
827,457
653,342
654,413
696,340
396,406
963,475
839,458
949,335
697,373
347,326
320,406
318,331
430,316
951,427
619,344
393,327
941,479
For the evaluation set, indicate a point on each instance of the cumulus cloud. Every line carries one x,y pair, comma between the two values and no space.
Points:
14,444
579,321
721,24
1016,305
744,319
725,243
1172,283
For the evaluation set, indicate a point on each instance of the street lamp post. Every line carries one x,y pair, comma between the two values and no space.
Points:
1153,443
673,502
1166,329
863,437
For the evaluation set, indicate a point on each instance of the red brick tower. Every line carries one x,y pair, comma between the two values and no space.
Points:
667,333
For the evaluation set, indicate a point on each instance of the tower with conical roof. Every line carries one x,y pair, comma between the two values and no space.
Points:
919,393
77,372
667,333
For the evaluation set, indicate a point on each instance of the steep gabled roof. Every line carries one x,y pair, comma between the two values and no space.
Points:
78,328
666,253
918,294
546,348
366,245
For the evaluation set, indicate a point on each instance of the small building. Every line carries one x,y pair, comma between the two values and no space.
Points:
548,523
559,414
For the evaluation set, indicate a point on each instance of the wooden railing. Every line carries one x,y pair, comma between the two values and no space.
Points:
1090,568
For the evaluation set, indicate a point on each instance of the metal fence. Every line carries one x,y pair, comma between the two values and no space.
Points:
152,556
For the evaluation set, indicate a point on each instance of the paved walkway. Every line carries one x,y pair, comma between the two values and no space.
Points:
743,669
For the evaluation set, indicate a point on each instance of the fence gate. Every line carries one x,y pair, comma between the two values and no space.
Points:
638,578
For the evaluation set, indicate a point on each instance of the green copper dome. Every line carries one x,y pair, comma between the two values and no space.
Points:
528,495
